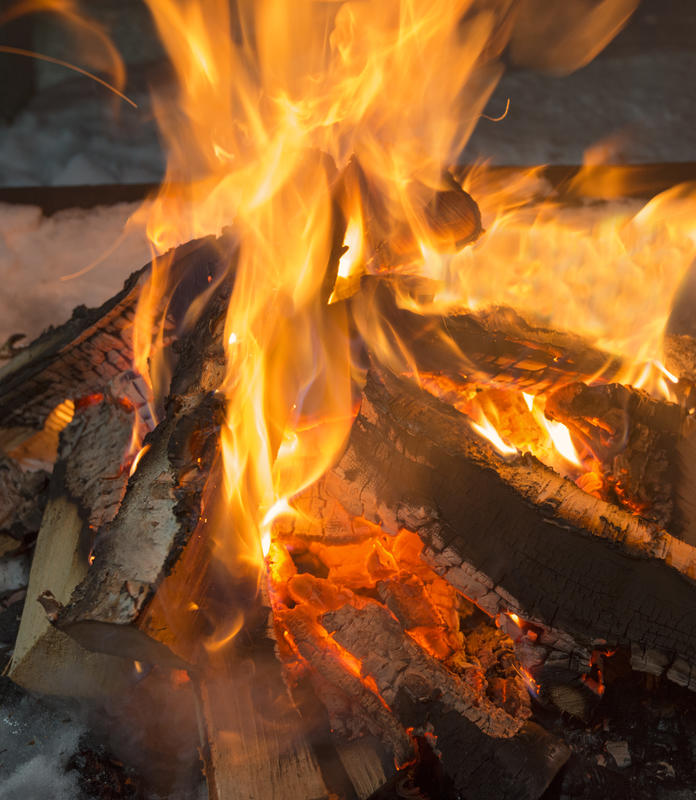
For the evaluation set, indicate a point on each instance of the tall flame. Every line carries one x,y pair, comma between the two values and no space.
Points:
272,101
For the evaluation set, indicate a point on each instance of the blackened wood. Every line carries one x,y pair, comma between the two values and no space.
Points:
633,437
486,753
23,496
81,356
512,535
161,510
494,347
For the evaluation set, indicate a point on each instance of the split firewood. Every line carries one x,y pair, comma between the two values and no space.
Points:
255,743
633,438
83,355
85,493
111,610
511,534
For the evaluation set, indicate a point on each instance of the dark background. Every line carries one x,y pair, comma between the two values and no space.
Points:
636,99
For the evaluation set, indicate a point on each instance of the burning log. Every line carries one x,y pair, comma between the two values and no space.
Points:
85,492
491,347
504,757
633,437
163,505
398,686
445,214
93,347
425,632
586,574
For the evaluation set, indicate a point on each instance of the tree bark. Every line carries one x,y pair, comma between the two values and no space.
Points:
81,356
112,610
633,437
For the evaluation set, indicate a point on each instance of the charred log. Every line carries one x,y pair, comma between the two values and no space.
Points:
512,535
494,347
163,505
445,214
94,346
632,436
505,757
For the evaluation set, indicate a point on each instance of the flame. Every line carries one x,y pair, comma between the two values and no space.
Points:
136,460
322,133
270,106
487,430
560,436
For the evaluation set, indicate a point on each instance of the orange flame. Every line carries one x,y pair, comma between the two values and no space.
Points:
271,103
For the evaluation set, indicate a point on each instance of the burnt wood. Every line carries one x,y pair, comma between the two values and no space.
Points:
111,609
81,356
485,752
85,491
494,347
514,536
634,438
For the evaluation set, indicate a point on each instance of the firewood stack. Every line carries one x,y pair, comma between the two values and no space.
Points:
428,585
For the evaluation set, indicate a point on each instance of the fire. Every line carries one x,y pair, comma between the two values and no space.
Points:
287,117
488,431
560,436
266,118
265,122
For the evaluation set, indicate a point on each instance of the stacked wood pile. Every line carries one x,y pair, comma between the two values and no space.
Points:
429,583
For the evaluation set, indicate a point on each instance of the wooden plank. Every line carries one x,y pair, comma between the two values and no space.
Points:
85,493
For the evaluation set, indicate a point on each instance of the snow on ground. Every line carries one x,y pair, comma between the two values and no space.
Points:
36,741
50,265
75,132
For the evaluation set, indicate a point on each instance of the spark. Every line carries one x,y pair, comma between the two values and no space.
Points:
501,117
18,51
